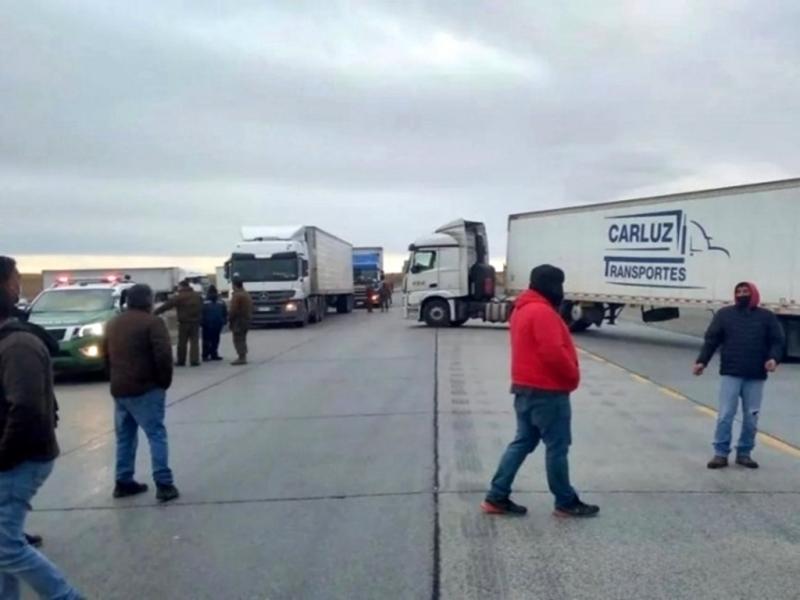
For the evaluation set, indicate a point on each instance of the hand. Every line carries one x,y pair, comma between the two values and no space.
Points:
771,366
698,369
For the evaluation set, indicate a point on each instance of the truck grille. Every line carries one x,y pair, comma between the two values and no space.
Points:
269,297
57,334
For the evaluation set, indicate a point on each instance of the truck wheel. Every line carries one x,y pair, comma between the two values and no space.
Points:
568,314
436,313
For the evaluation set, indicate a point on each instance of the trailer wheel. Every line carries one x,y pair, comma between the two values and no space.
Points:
575,325
436,313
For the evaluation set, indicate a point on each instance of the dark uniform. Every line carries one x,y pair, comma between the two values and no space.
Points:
215,315
189,306
241,313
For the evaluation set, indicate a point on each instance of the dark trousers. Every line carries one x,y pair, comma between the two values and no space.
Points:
211,342
240,342
189,335
545,418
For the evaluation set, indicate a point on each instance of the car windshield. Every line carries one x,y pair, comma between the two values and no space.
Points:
266,269
74,301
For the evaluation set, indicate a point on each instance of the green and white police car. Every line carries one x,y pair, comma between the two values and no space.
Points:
75,313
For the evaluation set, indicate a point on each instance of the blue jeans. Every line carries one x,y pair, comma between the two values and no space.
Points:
751,391
145,411
18,560
545,418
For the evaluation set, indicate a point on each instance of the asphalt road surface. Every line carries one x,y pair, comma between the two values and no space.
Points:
348,461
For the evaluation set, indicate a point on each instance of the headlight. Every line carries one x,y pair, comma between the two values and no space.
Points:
291,307
91,351
95,329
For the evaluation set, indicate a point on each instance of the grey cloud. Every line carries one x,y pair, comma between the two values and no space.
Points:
162,127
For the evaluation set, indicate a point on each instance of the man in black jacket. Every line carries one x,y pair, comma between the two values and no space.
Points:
752,344
28,445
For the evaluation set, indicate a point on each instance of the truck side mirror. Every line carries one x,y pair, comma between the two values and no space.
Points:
415,269
305,268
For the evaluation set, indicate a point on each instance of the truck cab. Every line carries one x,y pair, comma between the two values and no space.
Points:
448,278
367,273
75,313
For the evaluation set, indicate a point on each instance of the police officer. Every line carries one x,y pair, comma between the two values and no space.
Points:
189,306
241,313
215,315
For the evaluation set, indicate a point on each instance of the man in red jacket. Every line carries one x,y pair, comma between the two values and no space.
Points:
544,370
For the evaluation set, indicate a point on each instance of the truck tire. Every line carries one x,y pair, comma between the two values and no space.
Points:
436,313
575,325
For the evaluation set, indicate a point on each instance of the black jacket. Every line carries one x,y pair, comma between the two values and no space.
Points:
28,409
749,338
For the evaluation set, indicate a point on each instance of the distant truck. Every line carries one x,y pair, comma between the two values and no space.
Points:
293,274
367,272
657,254
222,283
163,280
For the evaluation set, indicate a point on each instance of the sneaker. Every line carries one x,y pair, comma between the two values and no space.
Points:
167,492
239,361
578,509
746,461
502,507
123,489
718,462
34,540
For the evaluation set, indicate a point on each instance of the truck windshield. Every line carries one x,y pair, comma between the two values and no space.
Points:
362,275
266,269
74,301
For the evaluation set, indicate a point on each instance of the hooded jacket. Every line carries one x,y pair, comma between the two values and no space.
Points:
750,336
28,408
543,356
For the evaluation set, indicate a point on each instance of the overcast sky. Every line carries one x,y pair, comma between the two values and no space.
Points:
159,128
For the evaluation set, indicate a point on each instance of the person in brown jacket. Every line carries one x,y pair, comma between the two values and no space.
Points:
239,316
28,446
138,350
189,306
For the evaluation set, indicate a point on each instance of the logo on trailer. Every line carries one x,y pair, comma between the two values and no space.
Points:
655,249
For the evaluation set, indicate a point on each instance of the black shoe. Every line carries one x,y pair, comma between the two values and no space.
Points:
165,493
718,462
34,540
180,364
578,509
123,489
216,358
746,461
502,507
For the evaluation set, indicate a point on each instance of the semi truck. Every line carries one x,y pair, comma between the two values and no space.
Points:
656,254
367,272
293,273
163,280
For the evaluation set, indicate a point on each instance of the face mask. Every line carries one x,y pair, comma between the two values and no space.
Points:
743,301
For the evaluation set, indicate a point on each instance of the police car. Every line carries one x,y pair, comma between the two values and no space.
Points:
75,312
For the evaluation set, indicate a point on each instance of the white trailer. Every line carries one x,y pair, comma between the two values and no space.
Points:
163,280
293,273
668,252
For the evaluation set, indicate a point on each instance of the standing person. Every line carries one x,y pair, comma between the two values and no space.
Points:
215,315
544,371
139,355
752,344
385,295
28,445
239,317
189,306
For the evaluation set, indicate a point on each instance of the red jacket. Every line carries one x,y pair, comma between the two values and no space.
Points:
542,353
